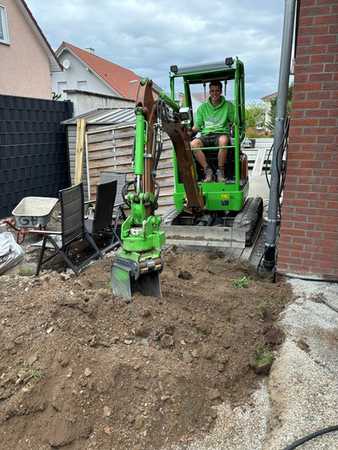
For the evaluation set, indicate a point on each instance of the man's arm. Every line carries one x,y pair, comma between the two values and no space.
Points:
199,122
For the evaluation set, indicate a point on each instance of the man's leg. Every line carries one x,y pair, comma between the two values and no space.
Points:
223,141
201,159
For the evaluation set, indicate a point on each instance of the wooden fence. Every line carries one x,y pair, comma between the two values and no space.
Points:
110,149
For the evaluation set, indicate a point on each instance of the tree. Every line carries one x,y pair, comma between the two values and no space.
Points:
254,115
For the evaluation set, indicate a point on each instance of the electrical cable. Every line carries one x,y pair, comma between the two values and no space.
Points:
311,436
281,171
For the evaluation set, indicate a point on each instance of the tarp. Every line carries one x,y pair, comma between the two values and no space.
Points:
10,252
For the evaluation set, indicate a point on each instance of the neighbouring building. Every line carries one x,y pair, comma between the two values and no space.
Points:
308,245
266,101
86,72
26,58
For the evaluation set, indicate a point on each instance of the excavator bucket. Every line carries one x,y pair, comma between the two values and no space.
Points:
130,277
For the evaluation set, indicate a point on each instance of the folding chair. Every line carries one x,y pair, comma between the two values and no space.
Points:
72,230
101,226
118,211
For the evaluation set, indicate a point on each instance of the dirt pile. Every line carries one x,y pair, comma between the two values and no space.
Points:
80,369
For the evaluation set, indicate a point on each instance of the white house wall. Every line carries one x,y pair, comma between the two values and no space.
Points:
84,102
76,75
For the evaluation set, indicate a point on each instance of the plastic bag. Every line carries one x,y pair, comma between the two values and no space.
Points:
10,252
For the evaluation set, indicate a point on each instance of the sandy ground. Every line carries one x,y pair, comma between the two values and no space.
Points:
81,369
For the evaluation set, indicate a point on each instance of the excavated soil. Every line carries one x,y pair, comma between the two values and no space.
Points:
81,369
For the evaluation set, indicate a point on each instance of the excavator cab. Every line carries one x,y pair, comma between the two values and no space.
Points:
230,196
228,217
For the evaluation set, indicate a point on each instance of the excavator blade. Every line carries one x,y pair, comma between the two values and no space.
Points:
240,231
130,277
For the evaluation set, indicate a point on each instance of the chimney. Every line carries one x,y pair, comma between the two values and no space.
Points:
90,50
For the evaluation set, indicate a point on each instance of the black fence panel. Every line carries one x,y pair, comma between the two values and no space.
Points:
33,149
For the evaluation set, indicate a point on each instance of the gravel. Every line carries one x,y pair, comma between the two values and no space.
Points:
301,394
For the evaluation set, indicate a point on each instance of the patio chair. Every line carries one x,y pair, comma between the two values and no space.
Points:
118,210
101,225
72,230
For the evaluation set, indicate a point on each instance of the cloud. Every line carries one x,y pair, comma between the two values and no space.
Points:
148,36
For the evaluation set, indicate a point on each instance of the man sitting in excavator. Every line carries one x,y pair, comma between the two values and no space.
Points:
213,120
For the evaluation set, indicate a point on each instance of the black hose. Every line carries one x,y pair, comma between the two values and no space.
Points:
311,436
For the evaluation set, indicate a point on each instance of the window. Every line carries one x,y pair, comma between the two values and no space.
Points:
4,35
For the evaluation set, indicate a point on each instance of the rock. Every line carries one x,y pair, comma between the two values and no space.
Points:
103,295
18,340
131,419
63,360
214,394
167,341
87,372
108,430
65,276
187,358
62,432
49,330
169,329
128,341
213,414
184,275
106,411
207,353
142,332
32,359
303,345
9,345
139,422
145,313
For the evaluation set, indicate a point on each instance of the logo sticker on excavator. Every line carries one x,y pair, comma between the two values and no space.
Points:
225,196
225,199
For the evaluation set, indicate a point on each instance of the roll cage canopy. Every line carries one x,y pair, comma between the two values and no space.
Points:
229,69
203,73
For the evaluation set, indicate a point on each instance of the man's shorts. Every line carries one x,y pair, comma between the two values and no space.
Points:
211,139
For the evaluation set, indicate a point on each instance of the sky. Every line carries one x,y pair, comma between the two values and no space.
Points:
148,36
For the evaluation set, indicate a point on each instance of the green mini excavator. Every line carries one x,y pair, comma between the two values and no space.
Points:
206,214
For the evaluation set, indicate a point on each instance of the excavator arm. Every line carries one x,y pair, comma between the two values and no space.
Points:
138,263
163,115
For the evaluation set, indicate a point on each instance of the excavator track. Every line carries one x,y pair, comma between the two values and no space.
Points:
238,232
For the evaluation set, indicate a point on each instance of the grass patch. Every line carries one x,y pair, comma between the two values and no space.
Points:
36,374
262,360
29,373
241,282
26,271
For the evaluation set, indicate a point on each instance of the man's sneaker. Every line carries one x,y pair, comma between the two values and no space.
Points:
208,175
220,176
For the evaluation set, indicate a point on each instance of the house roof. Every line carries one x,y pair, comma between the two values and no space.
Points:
105,116
53,60
123,81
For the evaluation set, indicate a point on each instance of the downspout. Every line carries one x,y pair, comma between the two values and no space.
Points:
269,259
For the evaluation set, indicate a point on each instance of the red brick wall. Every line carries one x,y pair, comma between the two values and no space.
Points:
308,242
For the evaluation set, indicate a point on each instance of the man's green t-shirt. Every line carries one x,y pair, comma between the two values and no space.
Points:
215,119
